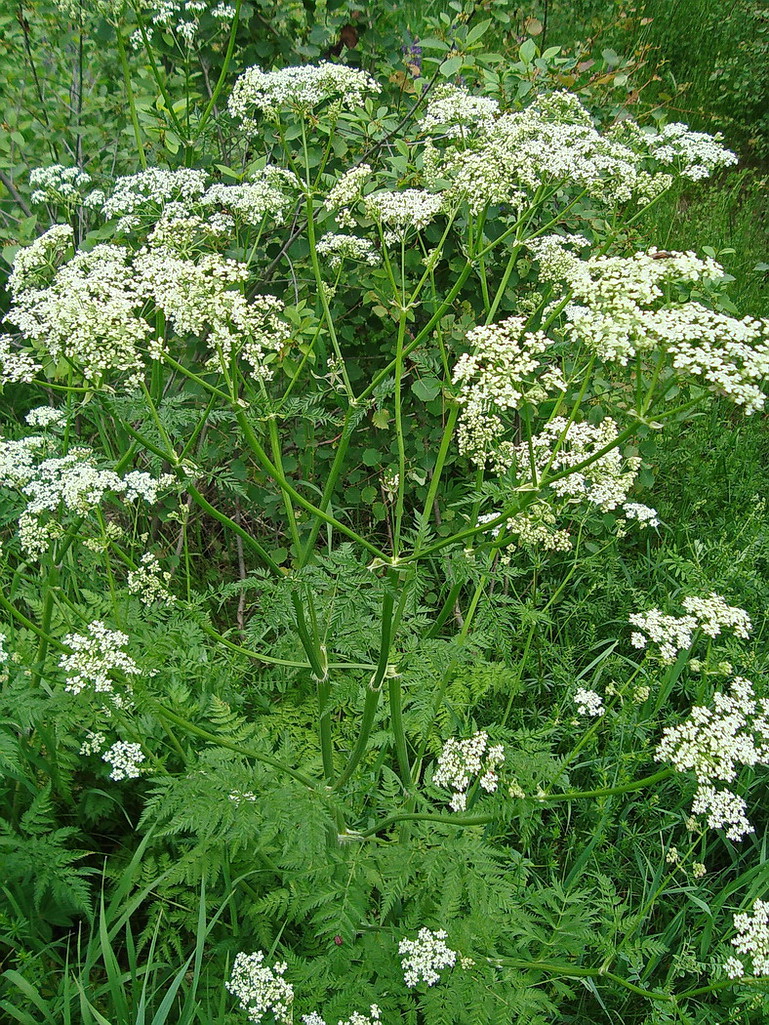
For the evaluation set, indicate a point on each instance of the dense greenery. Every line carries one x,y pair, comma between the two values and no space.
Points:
330,402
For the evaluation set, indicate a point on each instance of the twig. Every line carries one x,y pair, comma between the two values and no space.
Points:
14,193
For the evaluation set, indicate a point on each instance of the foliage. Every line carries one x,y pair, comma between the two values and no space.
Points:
329,404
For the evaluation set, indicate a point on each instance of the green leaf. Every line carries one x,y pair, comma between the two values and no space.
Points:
451,66
371,457
527,51
480,30
427,388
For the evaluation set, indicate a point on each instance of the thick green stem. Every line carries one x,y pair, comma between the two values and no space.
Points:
374,688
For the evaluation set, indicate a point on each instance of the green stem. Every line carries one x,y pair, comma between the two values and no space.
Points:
222,74
130,97
258,756
374,688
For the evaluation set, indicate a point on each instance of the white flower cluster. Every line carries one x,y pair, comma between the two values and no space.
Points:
182,17
180,229
454,112
125,759
16,367
562,447
94,656
195,298
534,528
694,155
37,262
674,634
501,372
17,459
153,188
149,582
93,743
752,939
374,1017
644,515
404,211
88,315
615,312
261,990
346,191
45,416
347,247
58,184
589,702
261,197
461,762
300,89
73,482
713,743
425,957
551,142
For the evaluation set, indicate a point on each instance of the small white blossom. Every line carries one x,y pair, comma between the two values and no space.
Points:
402,212
589,702
16,366
125,759
347,247
461,762
424,958
646,516
149,582
45,416
261,990
37,262
734,968
94,656
713,743
93,743
455,112
753,938
300,89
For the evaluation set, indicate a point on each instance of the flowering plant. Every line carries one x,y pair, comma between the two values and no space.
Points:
372,476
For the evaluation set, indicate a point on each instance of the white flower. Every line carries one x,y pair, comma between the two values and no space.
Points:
88,314
154,188
425,957
300,89
589,702
16,367
347,247
35,263
45,416
261,990
753,939
94,657
675,634
713,743
58,184
461,762
695,155
149,582
401,212
125,760
255,199
734,968
93,743
455,112
646,516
